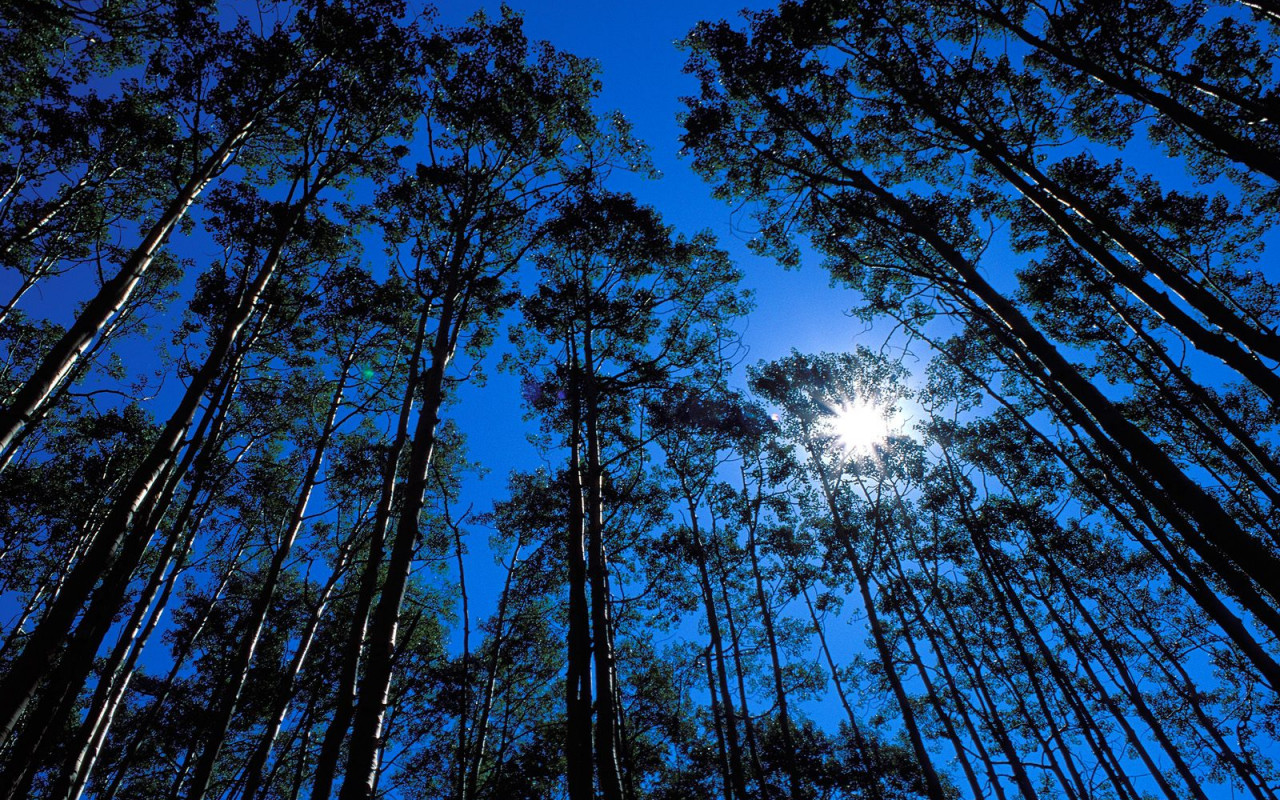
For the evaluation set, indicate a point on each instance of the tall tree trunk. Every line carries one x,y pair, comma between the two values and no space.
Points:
940,709
1209,521
1219,419
31,228
1100,690
348,678
227,698
846,536
972,665
718,721
253,781
125,535
114,680
578,747
1169,663
1134,693
479,740
1064,209
608,727
147,719
361,778
933,784
1214,138
464,691
27,403
775,661
739,669
736,779
1155,541
961,704
869,757
1011,611
58,702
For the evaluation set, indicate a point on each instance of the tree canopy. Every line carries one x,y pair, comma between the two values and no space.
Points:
264,266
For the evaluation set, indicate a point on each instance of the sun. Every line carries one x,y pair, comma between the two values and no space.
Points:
859,425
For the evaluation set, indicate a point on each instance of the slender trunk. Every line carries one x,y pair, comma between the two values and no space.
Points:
1058,720
179,776
717,718
961,704
1053,745
29,400
1101,691
49,584
479,740
1030,673
114,679
1217,414
228,697
831,667
736,779
29,280
1211,136
933,784
608,734
578,749
846,537
301,734
775,661
1189,691
1212,343
125,536
57,703
361,777
1004,603
1012,610
1156,541
1235,555
1063,381
940,710
32,228
148,718
921,621
1073,787
348,678
739,670
300,737
1134,693
869,757
460,767
253,781
1265,8
1063,208
33,602
83,363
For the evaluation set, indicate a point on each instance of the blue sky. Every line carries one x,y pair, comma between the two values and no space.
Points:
635,45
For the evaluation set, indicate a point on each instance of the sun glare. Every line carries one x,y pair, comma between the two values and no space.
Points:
859,425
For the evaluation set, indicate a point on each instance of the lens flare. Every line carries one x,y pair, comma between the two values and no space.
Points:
858,426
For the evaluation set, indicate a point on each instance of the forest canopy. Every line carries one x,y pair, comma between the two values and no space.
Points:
1020,541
